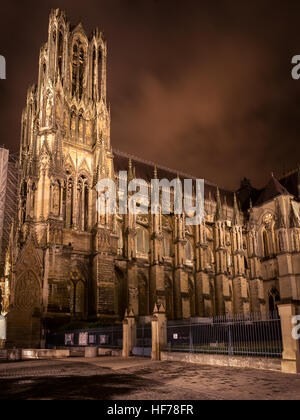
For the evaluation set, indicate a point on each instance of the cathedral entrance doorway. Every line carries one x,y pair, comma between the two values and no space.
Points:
24,320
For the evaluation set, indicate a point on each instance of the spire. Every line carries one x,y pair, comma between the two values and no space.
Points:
226,207
219,212
100,168
130,171
155,173
236,212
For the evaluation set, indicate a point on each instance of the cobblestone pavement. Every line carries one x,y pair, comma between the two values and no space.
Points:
135,379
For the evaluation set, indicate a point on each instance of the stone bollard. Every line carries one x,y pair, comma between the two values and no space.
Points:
159,332
291,353
129,334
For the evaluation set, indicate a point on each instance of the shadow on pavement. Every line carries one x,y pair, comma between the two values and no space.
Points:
94,387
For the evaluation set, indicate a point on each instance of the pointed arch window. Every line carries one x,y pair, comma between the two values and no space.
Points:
68,201
100,72
266,248
81,126
189,254
56,197
60,53
78,68
83,203
142,241
74,69
32,199
167,245
81,70
94,74
73,122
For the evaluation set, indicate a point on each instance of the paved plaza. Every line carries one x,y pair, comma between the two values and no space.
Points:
136,379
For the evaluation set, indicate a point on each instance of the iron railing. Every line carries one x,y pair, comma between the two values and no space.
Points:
234,335
143,340
104,337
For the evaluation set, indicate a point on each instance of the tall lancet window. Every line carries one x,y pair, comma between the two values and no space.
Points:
78,69
81,71
81,127
56,198
100,63
74,69
266,249
73,123
68,201
60,53
94,74
29,126
83,203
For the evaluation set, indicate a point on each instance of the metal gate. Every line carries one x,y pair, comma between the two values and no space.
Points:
143,341
256,335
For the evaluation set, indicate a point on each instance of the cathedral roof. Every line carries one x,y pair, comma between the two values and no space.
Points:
145,170
272,190
290,182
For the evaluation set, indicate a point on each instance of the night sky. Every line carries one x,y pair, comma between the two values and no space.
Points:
200,86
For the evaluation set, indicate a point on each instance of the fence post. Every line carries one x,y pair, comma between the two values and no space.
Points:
291,356
129,333
159,331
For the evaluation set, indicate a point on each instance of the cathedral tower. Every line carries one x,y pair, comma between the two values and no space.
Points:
65,150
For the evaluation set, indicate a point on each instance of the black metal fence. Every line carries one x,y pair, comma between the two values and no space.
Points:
240,335
104,337
143,340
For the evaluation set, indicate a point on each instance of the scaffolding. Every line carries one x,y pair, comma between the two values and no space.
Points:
9,179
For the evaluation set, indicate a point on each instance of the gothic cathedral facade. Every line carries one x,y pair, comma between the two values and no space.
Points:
65,261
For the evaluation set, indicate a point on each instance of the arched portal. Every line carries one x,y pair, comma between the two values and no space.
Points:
24,318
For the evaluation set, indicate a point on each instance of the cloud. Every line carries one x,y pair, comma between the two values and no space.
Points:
200,88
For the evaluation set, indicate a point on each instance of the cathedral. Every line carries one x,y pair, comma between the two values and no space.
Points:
67,262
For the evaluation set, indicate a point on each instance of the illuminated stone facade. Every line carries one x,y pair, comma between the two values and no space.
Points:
67,262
